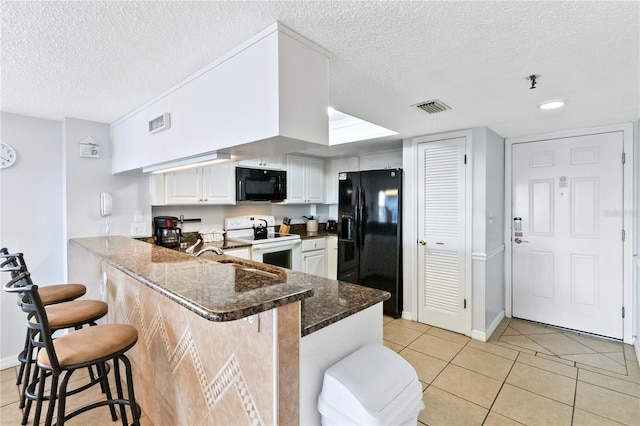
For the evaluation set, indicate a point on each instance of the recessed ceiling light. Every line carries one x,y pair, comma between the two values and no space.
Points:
553,104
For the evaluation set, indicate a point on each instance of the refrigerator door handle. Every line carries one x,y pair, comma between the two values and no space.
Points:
362,203
356,225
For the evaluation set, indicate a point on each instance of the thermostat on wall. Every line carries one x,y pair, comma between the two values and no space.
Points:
160,123
89,148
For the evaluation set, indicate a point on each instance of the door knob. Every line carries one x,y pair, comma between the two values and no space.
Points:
518,241
422,242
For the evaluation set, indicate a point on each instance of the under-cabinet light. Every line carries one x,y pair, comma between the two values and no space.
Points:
187,163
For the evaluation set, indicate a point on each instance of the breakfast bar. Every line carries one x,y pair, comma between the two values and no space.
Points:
225,340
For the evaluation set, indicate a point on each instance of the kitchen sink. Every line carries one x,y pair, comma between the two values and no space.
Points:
255,267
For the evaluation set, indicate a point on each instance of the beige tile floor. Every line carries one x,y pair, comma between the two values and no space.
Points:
10,414
527,374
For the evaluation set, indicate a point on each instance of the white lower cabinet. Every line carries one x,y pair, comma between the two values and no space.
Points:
314,257
242,253
332,257
205,185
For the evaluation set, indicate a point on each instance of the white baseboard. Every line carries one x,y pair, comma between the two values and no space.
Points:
484,335
9,362
494,324
407,315
636,345
478,335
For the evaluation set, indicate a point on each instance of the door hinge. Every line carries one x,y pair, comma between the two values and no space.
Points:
623,235
465,304
465,159
623,312
624,158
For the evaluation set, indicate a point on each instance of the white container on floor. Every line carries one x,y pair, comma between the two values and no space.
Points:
372,386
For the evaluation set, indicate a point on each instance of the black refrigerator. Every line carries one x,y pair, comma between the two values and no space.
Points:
370,232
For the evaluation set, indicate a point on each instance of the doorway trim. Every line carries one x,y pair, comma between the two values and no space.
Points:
627,272
410,222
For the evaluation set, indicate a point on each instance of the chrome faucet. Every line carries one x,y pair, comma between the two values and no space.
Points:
190,249
216,250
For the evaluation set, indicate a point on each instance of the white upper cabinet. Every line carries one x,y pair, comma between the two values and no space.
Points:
267,96
305,180
274,163
389,159
335,166
218,184
183,187
206,185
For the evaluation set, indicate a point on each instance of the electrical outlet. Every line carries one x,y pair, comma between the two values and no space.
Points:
138,229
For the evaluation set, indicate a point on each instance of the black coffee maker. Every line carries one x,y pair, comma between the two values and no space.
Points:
167,232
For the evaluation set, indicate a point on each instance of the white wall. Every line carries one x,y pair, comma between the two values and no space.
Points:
52,194
488,232
636,241
86,178
31,200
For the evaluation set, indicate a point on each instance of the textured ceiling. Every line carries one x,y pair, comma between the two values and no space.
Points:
99,60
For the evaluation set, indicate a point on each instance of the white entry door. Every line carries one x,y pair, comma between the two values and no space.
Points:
442,236
567,249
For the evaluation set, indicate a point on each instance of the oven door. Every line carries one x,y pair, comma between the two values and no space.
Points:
286,254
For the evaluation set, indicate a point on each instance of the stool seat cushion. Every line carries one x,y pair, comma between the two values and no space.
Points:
60,293
68,314
88,344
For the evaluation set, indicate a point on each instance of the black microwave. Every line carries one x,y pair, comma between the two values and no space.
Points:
260,185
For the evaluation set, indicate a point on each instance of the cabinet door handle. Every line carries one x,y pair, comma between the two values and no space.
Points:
422,242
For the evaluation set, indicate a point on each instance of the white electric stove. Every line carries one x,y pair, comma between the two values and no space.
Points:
276,249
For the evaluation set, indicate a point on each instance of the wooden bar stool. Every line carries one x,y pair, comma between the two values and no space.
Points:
88,347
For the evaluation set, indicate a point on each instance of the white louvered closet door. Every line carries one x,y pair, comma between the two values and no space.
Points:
441,234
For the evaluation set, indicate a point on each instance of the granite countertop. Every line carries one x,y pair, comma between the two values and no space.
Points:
226,288
301,229
191,237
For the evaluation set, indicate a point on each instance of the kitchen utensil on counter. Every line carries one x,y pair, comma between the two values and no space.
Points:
312,223
260,232
167,232
286,226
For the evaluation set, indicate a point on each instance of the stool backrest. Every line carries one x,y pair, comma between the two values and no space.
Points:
37,321
14,262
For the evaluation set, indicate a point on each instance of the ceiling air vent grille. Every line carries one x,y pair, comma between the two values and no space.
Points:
433,107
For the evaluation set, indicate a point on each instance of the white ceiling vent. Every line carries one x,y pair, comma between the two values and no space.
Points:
433,106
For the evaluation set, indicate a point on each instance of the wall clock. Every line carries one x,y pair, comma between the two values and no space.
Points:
8,155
